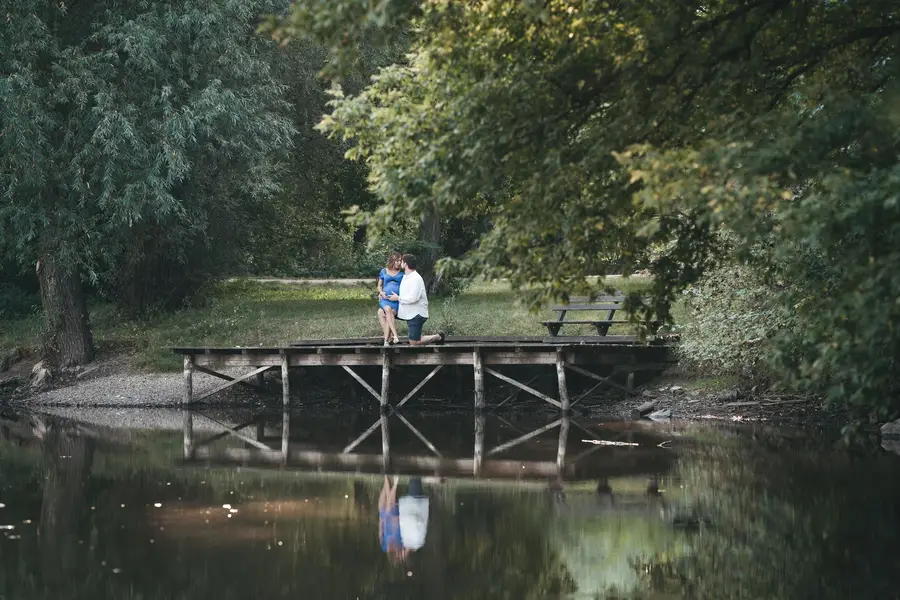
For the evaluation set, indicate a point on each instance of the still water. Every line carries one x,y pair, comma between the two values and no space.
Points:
233,505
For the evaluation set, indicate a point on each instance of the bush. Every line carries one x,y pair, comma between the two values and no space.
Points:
732,322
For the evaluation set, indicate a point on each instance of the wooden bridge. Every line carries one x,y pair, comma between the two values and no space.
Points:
582,355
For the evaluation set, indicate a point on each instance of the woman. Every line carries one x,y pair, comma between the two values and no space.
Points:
389,283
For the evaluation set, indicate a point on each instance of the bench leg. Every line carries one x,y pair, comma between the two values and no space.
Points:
553,329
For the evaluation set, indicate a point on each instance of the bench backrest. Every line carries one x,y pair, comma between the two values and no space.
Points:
599,303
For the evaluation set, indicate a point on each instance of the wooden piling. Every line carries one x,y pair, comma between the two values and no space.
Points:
385,378
561,448
479,380
629,382
260,380
285,382
188,424
285,433
561,380
188,380
385,444
479,444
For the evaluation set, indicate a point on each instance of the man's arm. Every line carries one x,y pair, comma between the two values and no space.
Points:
412,295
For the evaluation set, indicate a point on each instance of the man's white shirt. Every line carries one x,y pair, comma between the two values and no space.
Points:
413,299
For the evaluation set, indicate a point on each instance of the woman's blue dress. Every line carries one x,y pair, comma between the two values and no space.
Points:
390,284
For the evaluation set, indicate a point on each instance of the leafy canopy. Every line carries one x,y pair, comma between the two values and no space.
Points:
130,125
641,129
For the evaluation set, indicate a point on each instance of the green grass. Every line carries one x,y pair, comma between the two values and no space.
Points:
245,313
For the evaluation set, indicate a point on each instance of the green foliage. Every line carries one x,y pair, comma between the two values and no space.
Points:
733,319
136,137
600,137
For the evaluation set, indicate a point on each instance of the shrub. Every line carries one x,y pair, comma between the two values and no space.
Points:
733,317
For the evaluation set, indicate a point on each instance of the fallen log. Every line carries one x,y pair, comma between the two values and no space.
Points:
643,409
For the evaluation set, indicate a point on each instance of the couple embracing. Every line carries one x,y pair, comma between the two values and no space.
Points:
401,295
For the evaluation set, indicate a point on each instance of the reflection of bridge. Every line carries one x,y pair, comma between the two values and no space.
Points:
533,459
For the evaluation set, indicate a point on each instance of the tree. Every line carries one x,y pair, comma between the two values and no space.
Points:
641,129
128,130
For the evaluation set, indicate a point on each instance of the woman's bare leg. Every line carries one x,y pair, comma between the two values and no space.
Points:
390,317
382,319
392,495
385,494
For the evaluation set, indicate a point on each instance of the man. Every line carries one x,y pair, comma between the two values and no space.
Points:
413,303
403,524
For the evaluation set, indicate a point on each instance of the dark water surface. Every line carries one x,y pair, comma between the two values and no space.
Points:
151,505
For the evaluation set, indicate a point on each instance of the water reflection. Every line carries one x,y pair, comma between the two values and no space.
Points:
268,506
436,446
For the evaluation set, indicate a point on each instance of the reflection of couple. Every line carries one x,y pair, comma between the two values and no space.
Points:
401,295
402,523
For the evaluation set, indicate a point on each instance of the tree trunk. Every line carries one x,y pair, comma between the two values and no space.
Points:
69,459
430,236
67,331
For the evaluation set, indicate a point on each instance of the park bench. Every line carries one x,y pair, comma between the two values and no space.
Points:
607,304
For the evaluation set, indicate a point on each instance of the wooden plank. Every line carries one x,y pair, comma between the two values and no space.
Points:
618,297
584,395
595,377
513,395
523,438
235,381
378,343
586,340
363,383
219,436
609,354
203,369
594,322
587,307
375,341
418,387
233,432
335,462
362,437
419,435
522,386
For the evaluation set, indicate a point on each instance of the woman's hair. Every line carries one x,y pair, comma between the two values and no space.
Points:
394,259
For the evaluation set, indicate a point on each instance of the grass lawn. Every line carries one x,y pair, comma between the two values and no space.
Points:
246,313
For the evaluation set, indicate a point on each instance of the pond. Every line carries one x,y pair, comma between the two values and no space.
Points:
217,504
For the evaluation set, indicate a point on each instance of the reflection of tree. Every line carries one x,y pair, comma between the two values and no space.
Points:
480,544
496,546
786,525
68,467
